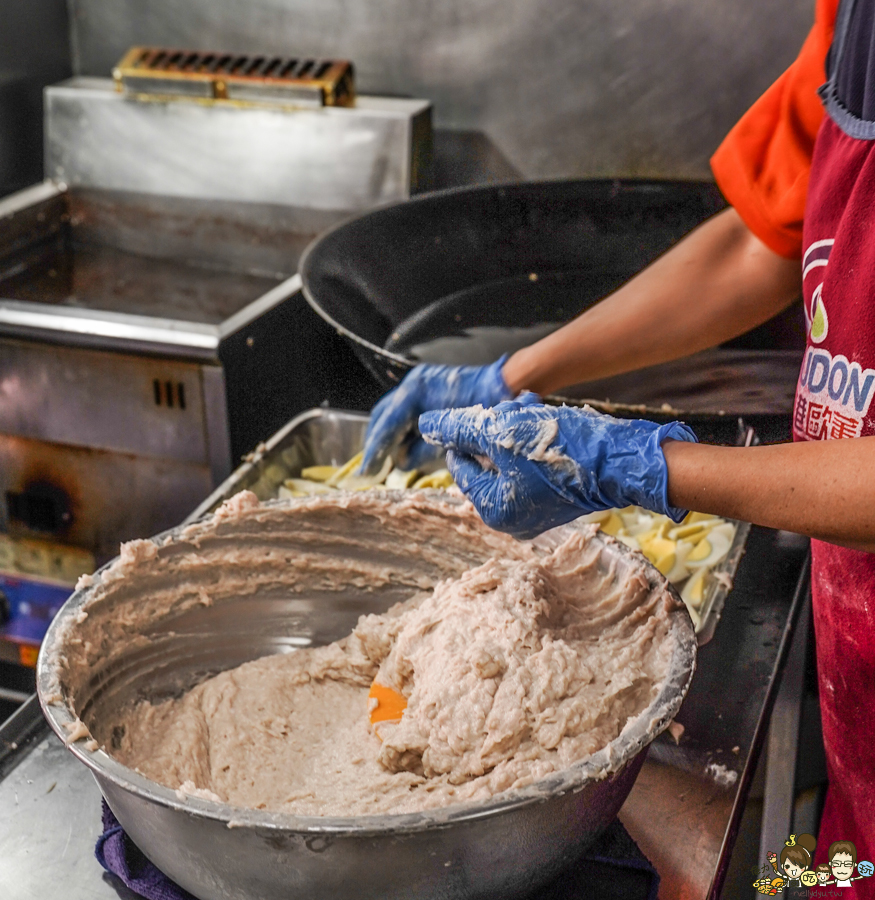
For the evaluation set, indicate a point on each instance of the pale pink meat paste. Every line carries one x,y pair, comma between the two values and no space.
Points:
512,668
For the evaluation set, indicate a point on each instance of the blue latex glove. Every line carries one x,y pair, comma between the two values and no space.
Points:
392,428
529,467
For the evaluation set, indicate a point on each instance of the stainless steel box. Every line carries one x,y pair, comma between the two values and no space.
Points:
335,159
151,324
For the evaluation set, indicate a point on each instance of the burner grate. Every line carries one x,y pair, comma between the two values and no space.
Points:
162,72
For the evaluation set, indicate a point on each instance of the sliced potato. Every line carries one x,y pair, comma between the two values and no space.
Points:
680,571
726,528
347,468
693,593
365,482
599,516
440,478
633,520
694,517
614,526
305,486
692,531
710,550
666,563
318,473
657,547
642,529
358,483
399,480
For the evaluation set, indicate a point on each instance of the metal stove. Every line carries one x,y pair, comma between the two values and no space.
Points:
152,330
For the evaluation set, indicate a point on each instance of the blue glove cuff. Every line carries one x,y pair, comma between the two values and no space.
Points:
494,386
626,465
674,431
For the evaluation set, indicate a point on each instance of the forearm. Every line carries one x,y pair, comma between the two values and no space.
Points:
715,284
824,489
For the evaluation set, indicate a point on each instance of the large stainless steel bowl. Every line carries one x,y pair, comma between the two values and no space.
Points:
503,847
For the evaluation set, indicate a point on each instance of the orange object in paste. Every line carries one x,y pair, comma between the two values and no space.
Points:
389,706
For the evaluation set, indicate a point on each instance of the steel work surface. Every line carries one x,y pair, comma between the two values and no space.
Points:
682,819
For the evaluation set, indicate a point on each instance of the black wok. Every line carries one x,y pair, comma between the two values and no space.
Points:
461,276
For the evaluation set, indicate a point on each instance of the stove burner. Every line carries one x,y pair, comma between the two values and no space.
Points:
159,71
41,507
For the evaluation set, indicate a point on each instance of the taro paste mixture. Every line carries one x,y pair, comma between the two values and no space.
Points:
527,657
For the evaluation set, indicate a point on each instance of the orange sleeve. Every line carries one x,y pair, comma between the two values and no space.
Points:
762,166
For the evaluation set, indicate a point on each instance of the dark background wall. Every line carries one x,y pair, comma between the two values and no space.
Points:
34,51
522,88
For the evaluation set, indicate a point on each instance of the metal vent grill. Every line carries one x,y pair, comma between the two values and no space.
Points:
163,72
169,393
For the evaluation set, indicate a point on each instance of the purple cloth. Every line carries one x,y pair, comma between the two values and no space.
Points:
118,854
613,869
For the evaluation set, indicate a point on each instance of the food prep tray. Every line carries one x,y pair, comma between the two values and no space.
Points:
332,436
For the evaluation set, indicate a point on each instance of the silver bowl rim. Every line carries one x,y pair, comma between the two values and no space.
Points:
608,761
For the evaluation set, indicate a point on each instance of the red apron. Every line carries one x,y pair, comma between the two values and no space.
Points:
835,399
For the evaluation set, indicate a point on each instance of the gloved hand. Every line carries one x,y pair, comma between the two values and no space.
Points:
529,467
393,419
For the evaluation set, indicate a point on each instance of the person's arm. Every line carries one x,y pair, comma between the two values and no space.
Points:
730,274
715,284
528,467
718,282
823,489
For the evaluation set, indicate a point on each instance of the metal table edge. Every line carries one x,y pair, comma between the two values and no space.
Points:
761,730
20,733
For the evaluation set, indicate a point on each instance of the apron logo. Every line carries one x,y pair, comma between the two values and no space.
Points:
816,319
833,396
835,378
819,326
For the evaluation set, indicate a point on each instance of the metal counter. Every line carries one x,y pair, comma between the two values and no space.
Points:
683,818
682,812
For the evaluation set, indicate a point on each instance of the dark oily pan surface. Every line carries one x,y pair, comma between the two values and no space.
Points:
374,273
462,276
176,258
714,382
113,280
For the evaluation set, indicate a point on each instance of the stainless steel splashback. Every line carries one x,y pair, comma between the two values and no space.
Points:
531,88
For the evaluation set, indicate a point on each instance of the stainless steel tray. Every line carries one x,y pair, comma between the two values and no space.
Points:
315,437
332,436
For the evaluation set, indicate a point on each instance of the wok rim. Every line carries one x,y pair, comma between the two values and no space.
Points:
404,364
467,190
